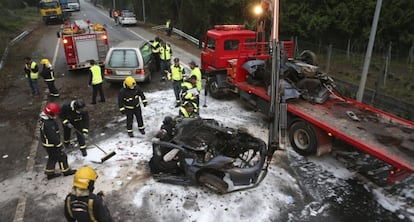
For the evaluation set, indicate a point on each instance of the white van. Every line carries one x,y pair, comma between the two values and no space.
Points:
73,5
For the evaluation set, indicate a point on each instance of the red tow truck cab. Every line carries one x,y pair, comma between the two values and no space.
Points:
83,41
311,127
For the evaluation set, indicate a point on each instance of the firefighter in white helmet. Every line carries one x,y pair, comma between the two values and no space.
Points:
82,204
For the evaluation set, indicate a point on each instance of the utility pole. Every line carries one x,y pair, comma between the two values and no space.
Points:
360,93
143,10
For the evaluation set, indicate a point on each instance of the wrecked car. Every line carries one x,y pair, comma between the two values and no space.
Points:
196,151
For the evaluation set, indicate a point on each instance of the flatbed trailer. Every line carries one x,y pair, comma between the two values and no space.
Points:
373,131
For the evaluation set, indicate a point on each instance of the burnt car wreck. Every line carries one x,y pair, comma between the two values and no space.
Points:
196,151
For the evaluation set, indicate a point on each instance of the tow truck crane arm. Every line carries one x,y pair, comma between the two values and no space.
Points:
278,106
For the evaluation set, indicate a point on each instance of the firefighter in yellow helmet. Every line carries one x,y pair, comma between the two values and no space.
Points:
82,204
130,98
49,76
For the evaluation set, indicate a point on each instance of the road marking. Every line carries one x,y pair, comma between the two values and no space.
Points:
138,35
21,205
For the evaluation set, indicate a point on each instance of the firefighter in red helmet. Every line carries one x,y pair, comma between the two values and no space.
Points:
50,138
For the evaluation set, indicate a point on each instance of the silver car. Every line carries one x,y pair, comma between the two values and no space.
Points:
129,58
127,18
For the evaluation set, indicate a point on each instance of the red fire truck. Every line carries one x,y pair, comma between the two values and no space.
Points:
82,42
233,61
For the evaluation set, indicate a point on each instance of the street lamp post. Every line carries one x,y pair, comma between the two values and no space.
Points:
113,4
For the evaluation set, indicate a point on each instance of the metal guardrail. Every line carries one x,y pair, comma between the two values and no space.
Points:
180,33
11,43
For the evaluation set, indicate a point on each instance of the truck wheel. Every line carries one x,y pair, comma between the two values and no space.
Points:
302,137
213,183
214,89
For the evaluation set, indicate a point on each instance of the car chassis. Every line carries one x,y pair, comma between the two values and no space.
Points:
202,152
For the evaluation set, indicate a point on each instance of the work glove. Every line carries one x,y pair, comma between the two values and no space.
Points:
122,110
145,103
100,193
69,125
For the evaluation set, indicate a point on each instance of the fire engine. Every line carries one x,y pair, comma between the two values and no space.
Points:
310,112
82,42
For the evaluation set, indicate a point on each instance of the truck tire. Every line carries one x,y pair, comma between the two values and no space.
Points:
303,138
214,89
213,183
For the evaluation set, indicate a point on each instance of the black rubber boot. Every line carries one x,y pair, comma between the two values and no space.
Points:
142,131
69,172
84,153
130,134
53,175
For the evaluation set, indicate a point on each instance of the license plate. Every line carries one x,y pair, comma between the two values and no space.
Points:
123,72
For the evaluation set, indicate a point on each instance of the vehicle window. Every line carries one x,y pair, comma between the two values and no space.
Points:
73,1
211,43
250,43
231,44
146,52
129,14
123,59
46,5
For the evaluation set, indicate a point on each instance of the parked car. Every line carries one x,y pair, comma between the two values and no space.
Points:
129,58
127,18
196,151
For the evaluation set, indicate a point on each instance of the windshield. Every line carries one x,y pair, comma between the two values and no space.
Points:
73,1
46,5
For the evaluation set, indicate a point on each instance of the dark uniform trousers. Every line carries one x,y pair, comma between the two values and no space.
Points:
130,118
56,155
78,125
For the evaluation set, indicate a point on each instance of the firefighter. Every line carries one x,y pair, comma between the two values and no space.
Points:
188,110
32,74
167,129
155,47
49,76
96,80
74,116
129,104
81,204
189,91
165,57
50,138
176,75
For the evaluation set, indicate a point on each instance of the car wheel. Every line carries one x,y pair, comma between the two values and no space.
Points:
213,183
302,137
214,89
149,78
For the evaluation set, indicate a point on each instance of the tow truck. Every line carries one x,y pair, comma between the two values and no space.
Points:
82,42
301,101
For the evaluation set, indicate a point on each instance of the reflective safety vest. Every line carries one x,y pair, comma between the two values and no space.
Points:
155,47
196,72
33,75
176,73
96,75
165,53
